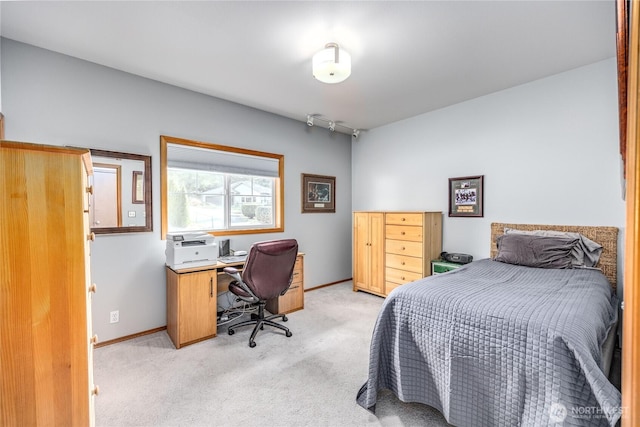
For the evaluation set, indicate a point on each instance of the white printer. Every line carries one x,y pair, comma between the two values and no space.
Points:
187,250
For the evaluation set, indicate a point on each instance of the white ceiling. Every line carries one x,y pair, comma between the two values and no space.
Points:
408,57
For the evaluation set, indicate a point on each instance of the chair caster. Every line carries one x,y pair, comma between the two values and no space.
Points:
252,344
231,332
284,318
288,333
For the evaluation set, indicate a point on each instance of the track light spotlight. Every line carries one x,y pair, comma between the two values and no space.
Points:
309,120
332,125
355,133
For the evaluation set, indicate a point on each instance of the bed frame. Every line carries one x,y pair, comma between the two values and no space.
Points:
606,236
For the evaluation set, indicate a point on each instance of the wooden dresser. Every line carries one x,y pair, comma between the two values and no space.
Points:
46,347
394,248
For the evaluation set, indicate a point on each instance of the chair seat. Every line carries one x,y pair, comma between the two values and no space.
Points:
234,288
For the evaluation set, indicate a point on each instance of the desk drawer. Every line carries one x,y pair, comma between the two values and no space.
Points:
297,273
403,232
403,247
292,300
404,218
401,276
402,262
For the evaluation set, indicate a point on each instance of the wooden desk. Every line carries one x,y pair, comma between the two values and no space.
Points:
192,307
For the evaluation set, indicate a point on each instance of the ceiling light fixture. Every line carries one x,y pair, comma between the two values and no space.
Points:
332,125
332,65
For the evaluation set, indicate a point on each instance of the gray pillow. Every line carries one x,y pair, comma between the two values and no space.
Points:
535,251
586,253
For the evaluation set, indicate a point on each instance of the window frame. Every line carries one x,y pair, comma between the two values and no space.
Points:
278,195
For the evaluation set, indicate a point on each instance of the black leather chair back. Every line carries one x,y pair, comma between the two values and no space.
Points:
268,269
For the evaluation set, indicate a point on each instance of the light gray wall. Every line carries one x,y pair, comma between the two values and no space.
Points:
548,151
55,99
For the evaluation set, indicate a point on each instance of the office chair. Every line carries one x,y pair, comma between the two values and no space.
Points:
267,274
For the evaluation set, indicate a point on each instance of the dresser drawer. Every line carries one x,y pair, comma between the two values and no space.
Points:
401,276
404,218
389,286
402,262
402,232
403,247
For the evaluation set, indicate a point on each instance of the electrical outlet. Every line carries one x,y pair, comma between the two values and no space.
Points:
114,316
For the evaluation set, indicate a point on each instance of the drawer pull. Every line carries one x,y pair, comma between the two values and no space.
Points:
94,339
90,189
96,390
402,233
402,277
402,262
91,237
93,288
404,219
404,249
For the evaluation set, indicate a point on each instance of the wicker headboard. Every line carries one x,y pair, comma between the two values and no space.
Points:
606,236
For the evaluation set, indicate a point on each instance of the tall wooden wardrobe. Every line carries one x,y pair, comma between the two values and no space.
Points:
45,291
393,248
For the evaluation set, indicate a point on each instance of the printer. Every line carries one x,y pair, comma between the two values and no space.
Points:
187,250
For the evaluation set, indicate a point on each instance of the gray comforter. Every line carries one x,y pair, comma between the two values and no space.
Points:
495,344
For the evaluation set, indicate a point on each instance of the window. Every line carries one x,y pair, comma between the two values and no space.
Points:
219,189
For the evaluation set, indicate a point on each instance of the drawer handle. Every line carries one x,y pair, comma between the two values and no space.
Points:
96,390
92,237
404,219
211,287
93,288
402,262
402,277
94,339
404,249
90,189
402,233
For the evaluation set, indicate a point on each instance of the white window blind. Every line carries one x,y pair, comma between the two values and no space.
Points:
186,157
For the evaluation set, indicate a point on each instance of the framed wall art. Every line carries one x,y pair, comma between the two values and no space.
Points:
137,190
466,196
318,193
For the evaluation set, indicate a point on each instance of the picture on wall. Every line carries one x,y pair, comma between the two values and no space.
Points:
318,193
137,191
466,196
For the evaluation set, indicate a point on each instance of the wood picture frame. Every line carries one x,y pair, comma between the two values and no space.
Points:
622,54
466,196
137,190
318,193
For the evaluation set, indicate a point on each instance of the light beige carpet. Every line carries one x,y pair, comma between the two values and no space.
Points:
310,379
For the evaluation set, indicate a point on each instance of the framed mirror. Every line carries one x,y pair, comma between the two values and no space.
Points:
121,199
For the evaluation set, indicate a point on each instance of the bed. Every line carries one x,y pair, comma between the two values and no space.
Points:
503,342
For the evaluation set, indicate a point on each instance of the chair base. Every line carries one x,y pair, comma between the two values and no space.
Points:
260,320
